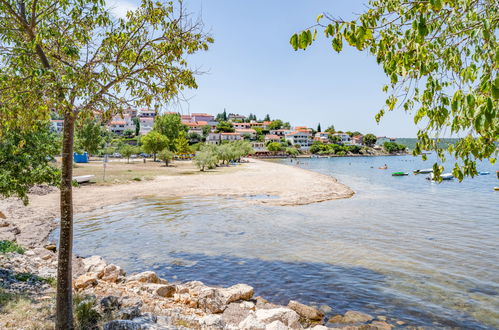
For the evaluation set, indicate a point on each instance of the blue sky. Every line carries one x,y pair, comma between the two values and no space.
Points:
252,68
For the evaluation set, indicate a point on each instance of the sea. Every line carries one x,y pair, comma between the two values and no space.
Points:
407,248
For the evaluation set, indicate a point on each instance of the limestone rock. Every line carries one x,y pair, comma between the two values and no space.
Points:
336,319
85,281
262,303
145,277
287,316
129,313
162,290
319,327
251,323
276,325
110,303
51,247
112,273
238,292
356,317
212,321
305,311
94,264
2,216
380,325
235,313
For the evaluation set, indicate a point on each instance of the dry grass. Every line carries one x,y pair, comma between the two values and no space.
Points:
20,312
119,171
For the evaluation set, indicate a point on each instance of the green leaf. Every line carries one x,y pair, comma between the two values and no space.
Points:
294,41
319,17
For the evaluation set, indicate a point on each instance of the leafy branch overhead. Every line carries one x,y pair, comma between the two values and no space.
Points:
442,60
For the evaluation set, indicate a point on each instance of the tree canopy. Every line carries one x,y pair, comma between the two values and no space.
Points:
441,58
153,142
170,125
88,136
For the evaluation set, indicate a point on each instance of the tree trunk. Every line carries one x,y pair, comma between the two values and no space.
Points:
64,310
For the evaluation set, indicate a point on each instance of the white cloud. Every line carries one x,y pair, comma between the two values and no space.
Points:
119,8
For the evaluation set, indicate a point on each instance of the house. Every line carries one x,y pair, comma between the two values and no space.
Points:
120,123
280,132
247,131
202,117
322,136
272,138
241,125
343,137
143,113
213,138
303,129
357,140
258,146
57,126
301,138
230,136
236,117
146,124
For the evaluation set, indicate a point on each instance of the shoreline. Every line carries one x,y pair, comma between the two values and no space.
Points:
145,299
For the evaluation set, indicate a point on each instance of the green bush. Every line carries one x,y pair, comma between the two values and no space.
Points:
393,147
9,246
85,314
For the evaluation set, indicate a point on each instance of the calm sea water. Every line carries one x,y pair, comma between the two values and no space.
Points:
403,247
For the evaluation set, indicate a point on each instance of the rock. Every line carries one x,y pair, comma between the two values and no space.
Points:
276,325
235,313
51,247
86,280
110,303
162,290
379,325
287,316
238,292
129,313
131,302
112,273
94,264
400,322
146,277
2,216
305,311
125,325
212,321
215,300
262,303
381,318
356,317
251,323
4,223
336,319
319,327
325,309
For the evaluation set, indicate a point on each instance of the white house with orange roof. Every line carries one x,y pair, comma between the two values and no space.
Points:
280,132
146,124
241,125
247,131
272,138
301,138
230,136
322,136
202,117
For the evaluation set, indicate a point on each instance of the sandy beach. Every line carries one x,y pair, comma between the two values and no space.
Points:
287,185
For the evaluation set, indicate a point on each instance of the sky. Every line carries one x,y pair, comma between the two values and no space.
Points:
251,67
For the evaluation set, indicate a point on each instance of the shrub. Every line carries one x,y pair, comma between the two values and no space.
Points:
85,314
9,246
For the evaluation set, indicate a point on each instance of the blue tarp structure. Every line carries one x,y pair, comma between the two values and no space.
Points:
80,158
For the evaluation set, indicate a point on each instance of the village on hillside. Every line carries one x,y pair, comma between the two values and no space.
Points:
268,138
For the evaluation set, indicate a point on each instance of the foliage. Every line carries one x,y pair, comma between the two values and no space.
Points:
331,149
330,129
129,133
86,315
136,122
206,157
206,130
225,127
393,147
25,160
274,146
88,136
276,124
127,150
370,139
9,246
334,138
166,156
153,142
182,144
267,117
170,125
319,127
292,151
222,116
442,60
194,137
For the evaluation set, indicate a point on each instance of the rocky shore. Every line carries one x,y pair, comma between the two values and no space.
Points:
107,298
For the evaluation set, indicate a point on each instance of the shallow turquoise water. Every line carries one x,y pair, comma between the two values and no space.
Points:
403,247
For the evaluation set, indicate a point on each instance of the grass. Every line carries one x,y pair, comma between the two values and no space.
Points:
9,246
30,277
20,312
119,171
